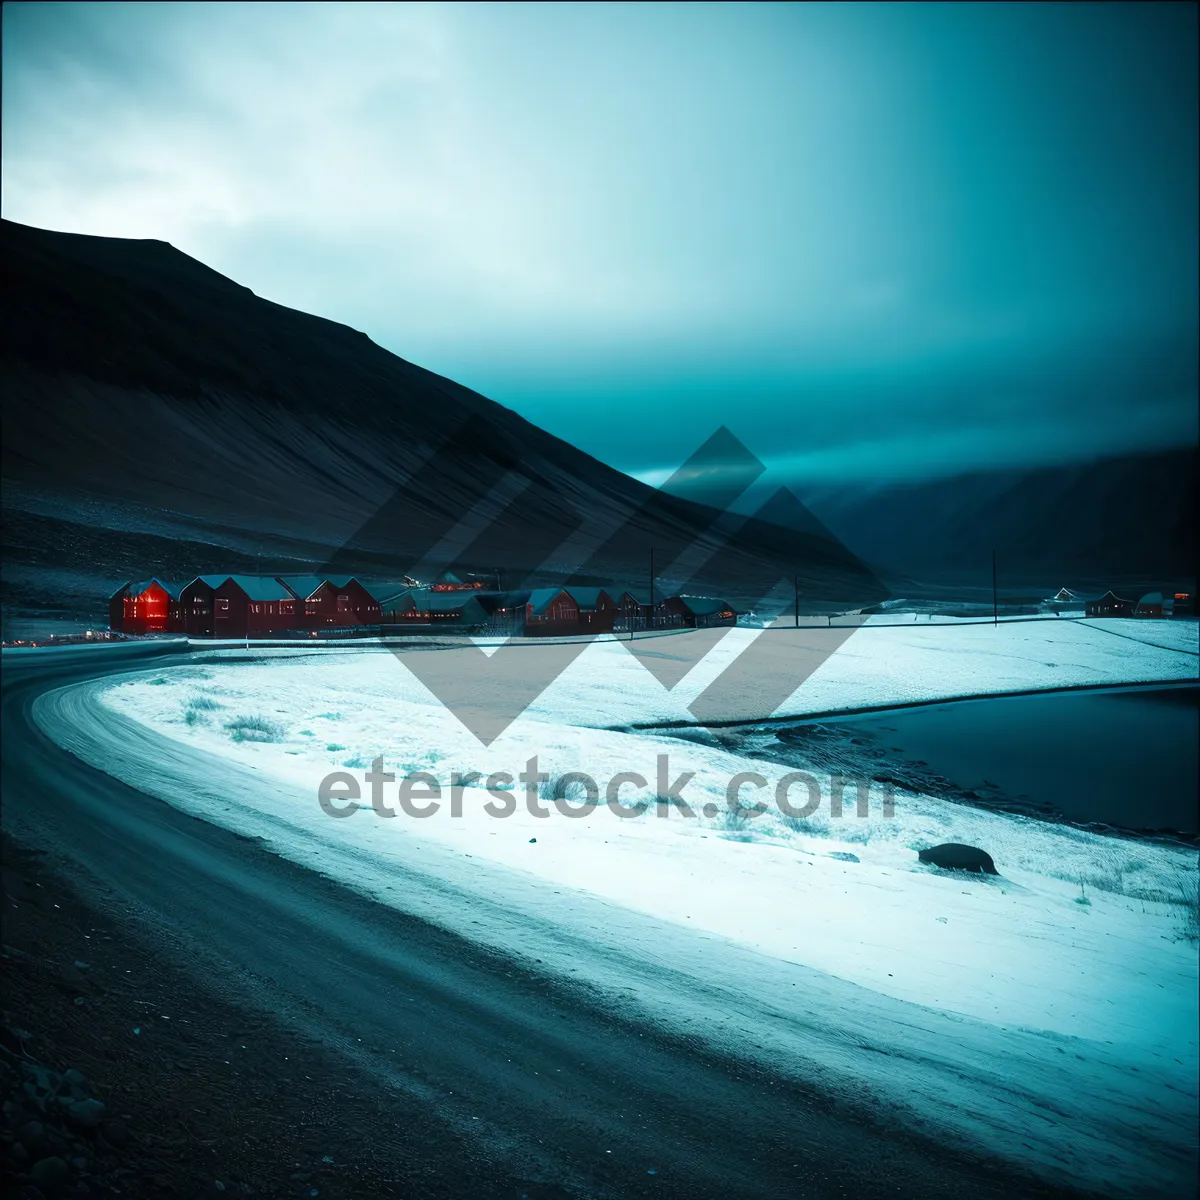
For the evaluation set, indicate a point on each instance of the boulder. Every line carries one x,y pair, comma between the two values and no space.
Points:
954,856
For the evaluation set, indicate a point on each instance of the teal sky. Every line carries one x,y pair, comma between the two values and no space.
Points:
876,241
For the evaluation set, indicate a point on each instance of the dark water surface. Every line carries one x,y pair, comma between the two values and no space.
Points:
1128,757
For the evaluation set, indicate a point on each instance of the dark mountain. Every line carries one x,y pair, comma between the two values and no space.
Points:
161,419
1128,520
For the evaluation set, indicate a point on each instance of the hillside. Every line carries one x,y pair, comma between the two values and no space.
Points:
161,418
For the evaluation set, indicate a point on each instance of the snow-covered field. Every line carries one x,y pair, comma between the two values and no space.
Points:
1083,944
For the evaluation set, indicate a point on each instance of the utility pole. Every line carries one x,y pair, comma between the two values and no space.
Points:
796,585
651,620
995,601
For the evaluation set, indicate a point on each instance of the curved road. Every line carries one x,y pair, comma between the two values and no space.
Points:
601,1104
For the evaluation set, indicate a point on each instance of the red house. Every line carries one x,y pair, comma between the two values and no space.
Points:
150,606
332,601
633,611
695,612
196,605
550,611
252,605
597,611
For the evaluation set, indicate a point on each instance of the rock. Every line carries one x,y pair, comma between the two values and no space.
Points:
86,1114
844,856
75,1080
115,1133
33,1137
954,856
532,840
50,1174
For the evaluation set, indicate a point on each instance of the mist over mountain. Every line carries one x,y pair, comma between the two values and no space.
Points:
1115,521
160,418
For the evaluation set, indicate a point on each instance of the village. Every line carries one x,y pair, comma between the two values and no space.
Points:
242,606
1151,604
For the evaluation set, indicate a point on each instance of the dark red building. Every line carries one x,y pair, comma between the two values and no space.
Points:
196,605
597,610
550,611
253,605
332,601
633,611
695,612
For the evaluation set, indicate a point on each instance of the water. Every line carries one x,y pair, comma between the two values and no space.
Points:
1128,757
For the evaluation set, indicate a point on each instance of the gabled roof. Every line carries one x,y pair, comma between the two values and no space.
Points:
385,594
1111,595
212,581
136,589
637,595
425,600
540,599
301,586
704,606
124,589
588,598
261,587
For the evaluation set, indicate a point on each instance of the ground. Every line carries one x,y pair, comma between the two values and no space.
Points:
1082,948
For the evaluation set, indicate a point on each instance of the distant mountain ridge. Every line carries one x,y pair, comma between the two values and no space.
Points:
161,419
1129,519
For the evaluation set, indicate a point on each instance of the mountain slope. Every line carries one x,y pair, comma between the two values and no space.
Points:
159,413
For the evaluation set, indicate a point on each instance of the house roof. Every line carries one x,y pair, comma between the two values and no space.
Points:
425,600
261,587
136,589
301,586
385,593
212,581
637,595
704,606
1111,595
540,599
586,597
1151,598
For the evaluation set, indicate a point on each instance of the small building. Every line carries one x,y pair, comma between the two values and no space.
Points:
392,599
1110,605
550,612
1150,605
1184,604
597,611
332,601
196,603
149,606
505,611
424,606
695,612
634,611
253,605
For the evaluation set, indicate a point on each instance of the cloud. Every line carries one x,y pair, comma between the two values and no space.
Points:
589,212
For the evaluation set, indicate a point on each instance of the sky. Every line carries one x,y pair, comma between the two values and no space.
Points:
878,242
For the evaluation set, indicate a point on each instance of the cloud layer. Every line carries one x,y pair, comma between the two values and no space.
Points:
829,227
